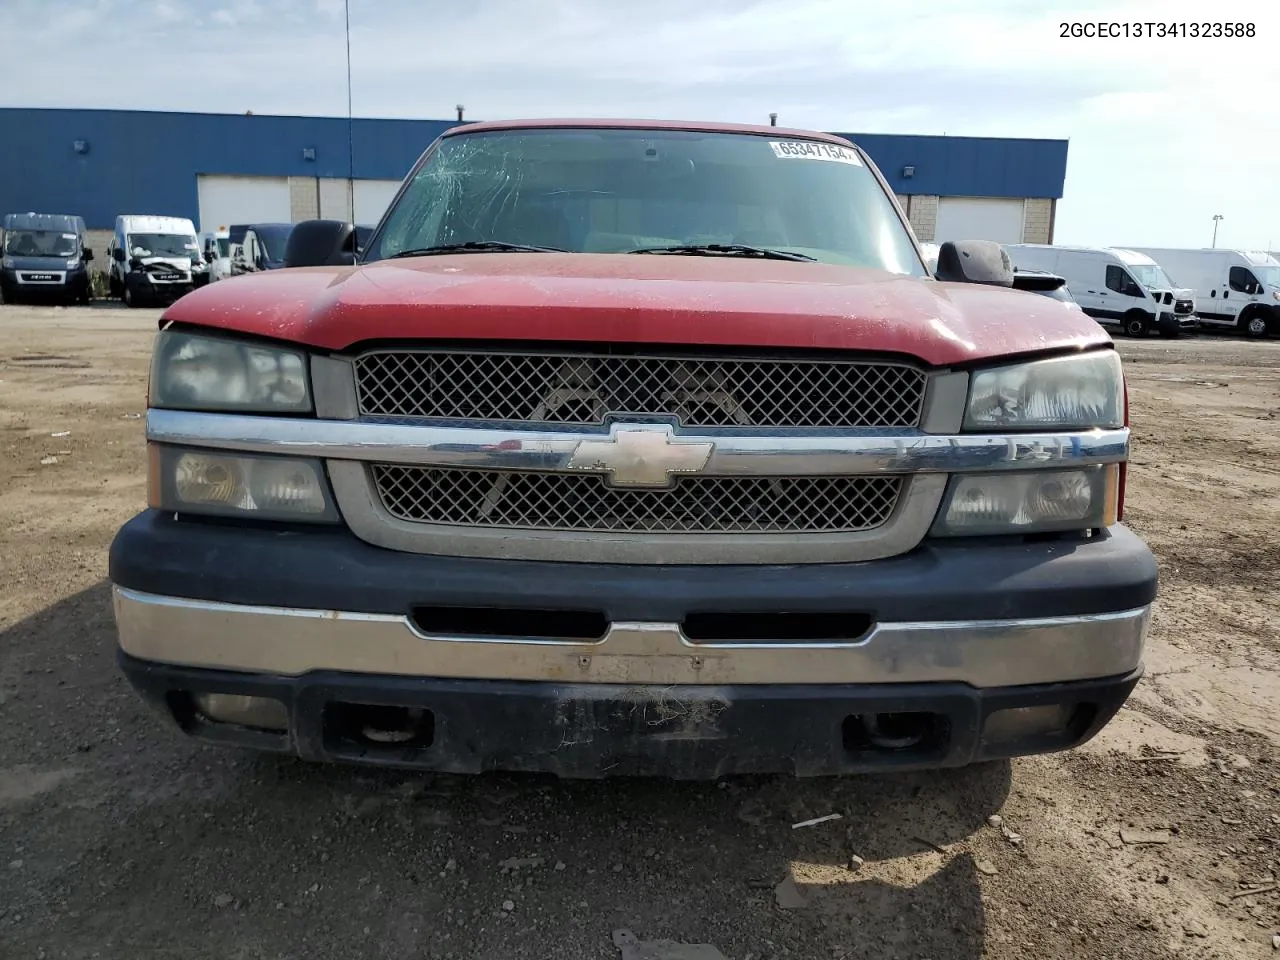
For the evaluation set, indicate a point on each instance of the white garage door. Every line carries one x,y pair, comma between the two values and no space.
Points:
973,218
227,200
372,198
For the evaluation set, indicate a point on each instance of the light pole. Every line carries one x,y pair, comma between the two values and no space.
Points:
1216,218
351,142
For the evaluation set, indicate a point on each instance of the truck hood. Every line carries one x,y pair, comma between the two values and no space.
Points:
629,298
166,264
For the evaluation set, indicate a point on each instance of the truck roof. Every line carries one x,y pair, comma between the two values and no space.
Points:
150,223
43,221
1131,256
1259,258
1123,254
692,126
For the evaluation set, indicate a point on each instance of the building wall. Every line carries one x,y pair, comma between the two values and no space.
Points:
99,163
304,199
923,214
1037,224
968,166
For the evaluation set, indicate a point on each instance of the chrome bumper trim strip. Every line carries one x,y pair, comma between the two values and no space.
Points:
290,642
734,453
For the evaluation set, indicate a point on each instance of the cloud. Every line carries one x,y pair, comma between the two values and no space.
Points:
1161,130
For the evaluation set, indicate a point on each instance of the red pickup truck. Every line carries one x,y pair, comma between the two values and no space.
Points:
634,448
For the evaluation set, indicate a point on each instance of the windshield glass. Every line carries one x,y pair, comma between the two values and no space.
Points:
40,243
611,191
273,240
1268,275
1151,276
223,246
162,245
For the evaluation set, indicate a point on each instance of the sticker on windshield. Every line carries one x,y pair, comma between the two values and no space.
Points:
810,150
68,236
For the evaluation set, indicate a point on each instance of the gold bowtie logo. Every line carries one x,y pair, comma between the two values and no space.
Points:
641,456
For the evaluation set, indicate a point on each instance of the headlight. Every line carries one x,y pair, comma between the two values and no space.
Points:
73,263
1078,392
267,488
1036,501
194,372
7,263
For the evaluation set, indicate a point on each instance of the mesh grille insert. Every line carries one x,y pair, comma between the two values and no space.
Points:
586,502
583,390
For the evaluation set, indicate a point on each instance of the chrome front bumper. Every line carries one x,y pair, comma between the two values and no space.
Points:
284,641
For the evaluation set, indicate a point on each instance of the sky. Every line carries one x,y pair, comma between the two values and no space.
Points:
1164,132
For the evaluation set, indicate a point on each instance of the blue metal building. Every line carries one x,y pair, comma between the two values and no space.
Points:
214,168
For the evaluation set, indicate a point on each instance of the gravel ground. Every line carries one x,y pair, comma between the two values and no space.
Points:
120,839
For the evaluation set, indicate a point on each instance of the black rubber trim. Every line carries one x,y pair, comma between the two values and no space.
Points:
599,730
330,568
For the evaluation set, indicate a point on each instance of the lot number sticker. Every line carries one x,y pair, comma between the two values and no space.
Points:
809,150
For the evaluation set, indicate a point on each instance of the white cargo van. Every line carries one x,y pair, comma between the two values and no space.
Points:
217,253
153,259
1234,288
930,251
1118,287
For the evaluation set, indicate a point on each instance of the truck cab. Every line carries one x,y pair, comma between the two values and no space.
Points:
44,257
634,448
262,247
153,259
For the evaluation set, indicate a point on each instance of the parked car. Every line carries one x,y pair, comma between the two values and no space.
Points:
44,257
1119,288
631,447
1235,289
262,248
152,259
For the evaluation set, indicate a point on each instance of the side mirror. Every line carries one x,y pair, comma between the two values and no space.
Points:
974,261
87,254
320,243
208,256
117,255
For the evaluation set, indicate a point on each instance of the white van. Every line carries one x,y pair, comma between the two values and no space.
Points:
1234,288
1117,287
930,251
153,260
217,253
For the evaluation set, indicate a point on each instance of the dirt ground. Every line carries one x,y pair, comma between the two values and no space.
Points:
120,839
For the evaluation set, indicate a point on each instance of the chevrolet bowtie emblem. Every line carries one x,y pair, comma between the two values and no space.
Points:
641,457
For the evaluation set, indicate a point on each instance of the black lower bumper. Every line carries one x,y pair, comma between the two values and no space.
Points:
594,730
331,568
143,291
75,288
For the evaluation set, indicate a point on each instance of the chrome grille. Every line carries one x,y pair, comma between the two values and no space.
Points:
586,502
584,389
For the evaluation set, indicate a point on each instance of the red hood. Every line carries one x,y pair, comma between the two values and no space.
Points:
629,298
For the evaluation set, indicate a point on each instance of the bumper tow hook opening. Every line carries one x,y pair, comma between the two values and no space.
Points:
381,726
895,731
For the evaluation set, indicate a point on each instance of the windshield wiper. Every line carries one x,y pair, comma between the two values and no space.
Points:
475,246
732,249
